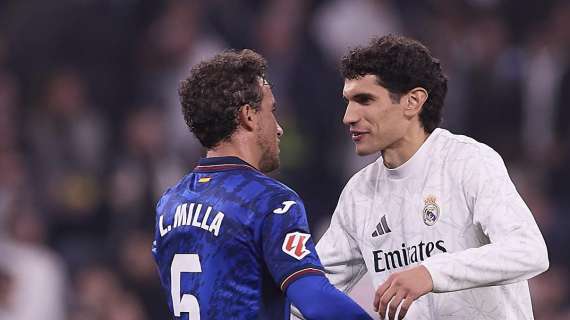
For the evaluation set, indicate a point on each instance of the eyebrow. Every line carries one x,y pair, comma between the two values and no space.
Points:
360,97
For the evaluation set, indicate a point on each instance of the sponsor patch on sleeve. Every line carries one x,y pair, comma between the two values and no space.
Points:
295,245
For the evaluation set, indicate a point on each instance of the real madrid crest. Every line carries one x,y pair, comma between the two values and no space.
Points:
431,210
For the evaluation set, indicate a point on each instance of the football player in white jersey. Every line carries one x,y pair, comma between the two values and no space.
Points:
436,220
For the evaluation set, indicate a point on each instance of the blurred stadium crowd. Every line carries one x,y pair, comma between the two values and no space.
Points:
91,133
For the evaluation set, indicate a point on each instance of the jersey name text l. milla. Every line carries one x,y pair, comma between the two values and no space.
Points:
191,214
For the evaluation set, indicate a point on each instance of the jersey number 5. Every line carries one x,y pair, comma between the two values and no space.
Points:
187,302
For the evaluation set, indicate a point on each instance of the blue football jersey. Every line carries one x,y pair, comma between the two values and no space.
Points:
228,241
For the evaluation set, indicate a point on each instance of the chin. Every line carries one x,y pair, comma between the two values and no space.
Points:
364,152
269,165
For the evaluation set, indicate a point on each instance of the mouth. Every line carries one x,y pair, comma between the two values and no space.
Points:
357,135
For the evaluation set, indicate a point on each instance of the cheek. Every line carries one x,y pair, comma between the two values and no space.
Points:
387,125
380,120
391,117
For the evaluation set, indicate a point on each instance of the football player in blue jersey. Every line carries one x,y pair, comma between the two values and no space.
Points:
231,242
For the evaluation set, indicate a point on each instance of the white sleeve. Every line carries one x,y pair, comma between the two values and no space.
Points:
338,249
516,250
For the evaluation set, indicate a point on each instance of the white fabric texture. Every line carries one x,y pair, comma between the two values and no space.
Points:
453,208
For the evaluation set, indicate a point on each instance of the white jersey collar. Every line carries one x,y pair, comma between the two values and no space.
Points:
415,163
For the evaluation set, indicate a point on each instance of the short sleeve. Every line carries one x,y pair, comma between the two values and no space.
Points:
288,247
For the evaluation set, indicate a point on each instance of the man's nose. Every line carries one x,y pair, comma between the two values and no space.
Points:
350,116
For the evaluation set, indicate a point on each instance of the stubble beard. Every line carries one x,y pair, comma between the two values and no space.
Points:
269,156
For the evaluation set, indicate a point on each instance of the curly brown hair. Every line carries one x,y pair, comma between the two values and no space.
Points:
216,89
401,64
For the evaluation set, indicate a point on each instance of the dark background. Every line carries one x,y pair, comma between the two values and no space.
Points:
91,132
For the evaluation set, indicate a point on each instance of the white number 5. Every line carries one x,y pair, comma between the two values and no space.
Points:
187,302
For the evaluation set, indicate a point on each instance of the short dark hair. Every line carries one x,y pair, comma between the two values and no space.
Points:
216,89
401,64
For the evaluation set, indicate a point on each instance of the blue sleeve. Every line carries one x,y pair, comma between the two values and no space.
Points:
317,298
288,249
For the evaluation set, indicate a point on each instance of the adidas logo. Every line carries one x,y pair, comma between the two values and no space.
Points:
381,228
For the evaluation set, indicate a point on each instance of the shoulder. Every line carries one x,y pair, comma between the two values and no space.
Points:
465,149
174,194
469,161
272,195
271,188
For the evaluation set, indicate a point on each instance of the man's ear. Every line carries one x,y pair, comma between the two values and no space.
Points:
416,99
246,117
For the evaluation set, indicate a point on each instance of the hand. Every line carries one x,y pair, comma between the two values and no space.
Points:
406,285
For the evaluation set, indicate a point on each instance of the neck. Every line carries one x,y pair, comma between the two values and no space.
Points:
403,149
236,147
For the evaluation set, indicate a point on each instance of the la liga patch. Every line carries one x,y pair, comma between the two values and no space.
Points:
295,245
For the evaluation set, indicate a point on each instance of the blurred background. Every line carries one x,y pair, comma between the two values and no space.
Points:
91,131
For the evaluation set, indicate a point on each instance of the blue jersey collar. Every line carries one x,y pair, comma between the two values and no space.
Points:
222,164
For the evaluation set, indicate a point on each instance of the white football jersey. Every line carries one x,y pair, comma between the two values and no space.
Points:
453,208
